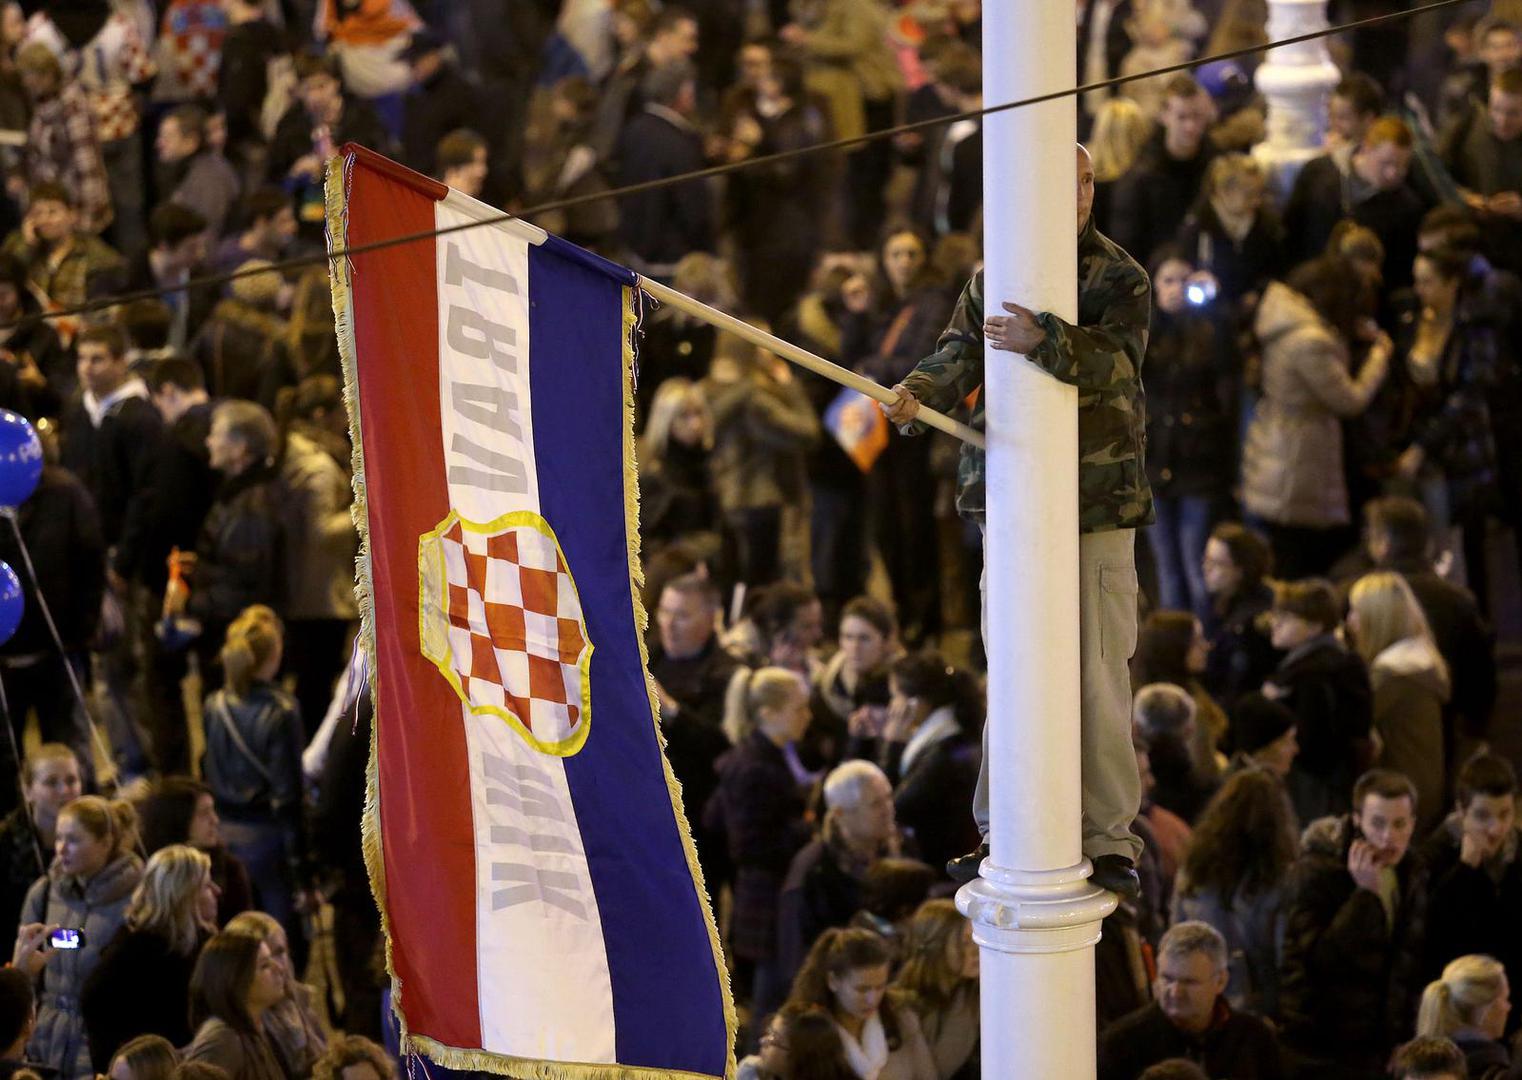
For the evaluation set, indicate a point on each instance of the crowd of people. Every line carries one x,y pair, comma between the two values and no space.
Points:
1330,878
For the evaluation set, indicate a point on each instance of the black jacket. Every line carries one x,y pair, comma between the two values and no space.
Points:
139,987
1236,1046
1191,407
448,102
662,225
1473,909
760,810
243,78
1323,195
818,894
1465,639
1149,202
1349,980
240,550
695,737
62,532
1328,690
169,512
1241,654
1240,266
113,461
931,799
264,783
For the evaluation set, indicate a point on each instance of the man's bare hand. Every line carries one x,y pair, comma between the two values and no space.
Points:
902,411
1017,332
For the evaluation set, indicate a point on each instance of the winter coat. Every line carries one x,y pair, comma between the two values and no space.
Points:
1240,266
1327,191
62,532
244,1057
1150,202
1241,654
140,987
1253,926
263,784
1472,909
931,795
1236,1045
848,59
762,429
1191,407
114,460
1349,979
662,225
760,810
1292,467
821,891
19,847
1102,356
170,512
1328,691
240,552
1411,688
318,533
96,907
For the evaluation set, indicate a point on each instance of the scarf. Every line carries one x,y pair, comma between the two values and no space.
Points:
937,728
870,1055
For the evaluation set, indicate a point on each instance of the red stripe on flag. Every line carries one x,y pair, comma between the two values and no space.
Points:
426,826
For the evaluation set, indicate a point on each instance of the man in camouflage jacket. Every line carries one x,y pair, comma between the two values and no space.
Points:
1102,357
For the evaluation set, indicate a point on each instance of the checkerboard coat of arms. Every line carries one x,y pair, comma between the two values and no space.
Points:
500,617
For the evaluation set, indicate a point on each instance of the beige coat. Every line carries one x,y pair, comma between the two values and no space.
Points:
849,60
1292,470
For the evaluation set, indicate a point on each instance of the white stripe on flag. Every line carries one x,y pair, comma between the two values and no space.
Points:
542,966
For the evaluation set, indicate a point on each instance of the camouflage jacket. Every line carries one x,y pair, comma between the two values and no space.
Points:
1102,357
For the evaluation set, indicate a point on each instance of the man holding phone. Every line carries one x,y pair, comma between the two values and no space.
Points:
1354,932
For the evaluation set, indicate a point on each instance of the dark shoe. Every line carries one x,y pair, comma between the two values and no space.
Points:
1116,874
964,868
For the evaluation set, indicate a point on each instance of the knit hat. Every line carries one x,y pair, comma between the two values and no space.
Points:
1256,721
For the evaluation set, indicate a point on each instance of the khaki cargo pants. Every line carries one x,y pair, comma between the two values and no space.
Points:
1107,597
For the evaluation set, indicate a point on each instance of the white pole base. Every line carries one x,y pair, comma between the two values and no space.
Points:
1036,931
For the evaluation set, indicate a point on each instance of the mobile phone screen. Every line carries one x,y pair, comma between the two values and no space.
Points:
66,939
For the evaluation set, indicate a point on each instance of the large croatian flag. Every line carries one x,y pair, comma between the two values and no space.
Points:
539,888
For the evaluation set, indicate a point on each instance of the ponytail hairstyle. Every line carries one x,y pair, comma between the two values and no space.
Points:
838,952
111,820
925,675
1469,985
750,691
252,639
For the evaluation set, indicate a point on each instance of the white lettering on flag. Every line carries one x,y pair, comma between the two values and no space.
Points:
535,908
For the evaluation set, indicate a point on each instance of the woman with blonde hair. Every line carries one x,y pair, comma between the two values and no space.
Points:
94,872
938,979
147,1057
1120,131
758,807
1470,1005
142,984
293,1024
1233,233
252,762
1411,686
675,495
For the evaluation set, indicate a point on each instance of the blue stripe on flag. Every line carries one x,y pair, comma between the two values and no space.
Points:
667,1003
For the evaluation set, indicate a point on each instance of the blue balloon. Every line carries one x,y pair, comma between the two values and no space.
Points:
20,459
12,603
